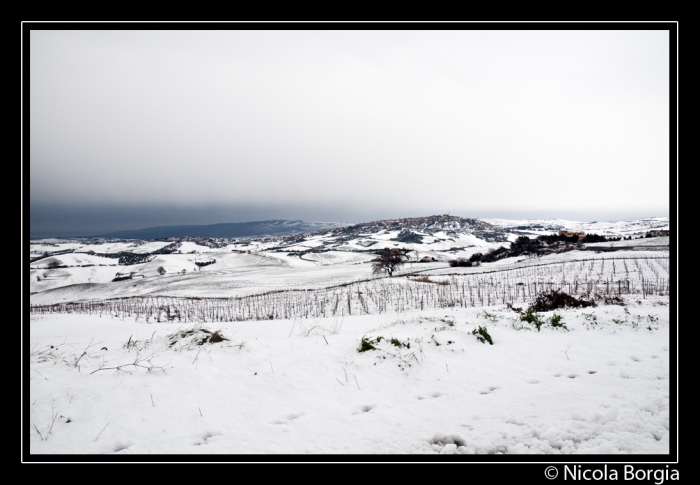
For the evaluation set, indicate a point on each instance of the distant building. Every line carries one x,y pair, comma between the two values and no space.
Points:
580,234
657,233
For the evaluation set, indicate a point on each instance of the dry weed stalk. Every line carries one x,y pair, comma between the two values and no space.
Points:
143,362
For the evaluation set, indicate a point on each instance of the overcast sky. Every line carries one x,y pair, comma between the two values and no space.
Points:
131,129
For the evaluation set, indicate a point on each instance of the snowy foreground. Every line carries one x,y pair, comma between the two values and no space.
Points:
301,386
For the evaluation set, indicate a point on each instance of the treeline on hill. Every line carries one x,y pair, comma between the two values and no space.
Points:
526,246
128,258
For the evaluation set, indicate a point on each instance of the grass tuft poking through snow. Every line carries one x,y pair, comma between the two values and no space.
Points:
482,335
198,336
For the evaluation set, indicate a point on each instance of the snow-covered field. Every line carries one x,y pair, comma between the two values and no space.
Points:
124,373
301,386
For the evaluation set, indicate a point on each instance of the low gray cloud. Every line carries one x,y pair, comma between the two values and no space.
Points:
77,220
338,125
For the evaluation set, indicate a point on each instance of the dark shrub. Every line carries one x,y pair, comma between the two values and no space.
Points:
555,238
494,254
557,299
593,238
525,245
460,262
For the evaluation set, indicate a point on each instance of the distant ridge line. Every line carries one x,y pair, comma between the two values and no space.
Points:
228,230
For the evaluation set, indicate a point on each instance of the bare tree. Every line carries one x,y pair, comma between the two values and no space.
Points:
161,270
388,261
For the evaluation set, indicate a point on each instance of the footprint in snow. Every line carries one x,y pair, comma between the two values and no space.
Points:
365,409
533,381
489,390
288,418
205,438
592,371
572,376
121,447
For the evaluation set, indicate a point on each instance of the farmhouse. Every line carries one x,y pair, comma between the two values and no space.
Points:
657,233
580,234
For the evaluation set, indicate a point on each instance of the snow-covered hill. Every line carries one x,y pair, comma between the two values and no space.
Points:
86,268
